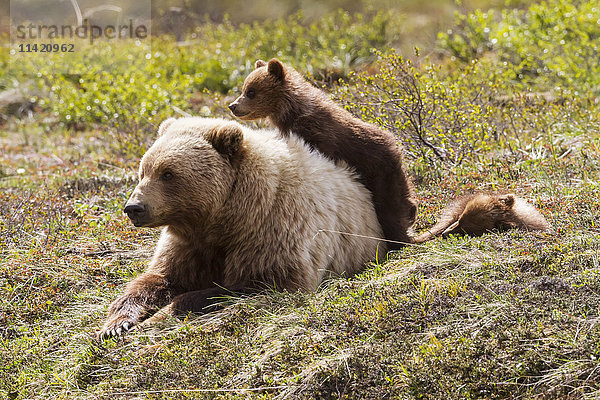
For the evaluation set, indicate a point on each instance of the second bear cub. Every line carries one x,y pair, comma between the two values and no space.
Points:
279,93
476,214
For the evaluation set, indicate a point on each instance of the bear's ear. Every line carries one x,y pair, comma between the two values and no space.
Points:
275,68
164,125
227,139
508,200
259,63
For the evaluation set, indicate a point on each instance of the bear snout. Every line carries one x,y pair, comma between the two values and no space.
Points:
136,213
236,110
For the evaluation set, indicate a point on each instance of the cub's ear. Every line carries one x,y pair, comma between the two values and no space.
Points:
164,125
508,200
259,63
276,69
227,139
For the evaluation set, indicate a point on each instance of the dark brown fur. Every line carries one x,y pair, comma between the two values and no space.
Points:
477,214
293,105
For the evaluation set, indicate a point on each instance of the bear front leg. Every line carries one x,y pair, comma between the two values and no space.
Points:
199,302
204,301
148,292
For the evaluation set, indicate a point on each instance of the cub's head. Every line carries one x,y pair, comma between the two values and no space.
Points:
262,91
482,214
187,174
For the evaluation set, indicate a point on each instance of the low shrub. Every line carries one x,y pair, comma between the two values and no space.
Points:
552,45
446,117
127,87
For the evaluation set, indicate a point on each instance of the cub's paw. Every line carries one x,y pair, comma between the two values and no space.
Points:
116,327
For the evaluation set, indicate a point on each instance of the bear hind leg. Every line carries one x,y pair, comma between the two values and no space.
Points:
396,216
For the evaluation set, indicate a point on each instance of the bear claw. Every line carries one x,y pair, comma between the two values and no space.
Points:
117,330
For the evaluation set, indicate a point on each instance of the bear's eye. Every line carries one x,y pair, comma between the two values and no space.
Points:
166,176
251,93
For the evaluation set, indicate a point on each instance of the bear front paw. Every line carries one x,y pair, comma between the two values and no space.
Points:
116,327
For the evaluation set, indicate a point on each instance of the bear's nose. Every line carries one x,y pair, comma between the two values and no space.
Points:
134,211
232,107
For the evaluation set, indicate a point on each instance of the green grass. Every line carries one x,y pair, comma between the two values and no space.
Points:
505,315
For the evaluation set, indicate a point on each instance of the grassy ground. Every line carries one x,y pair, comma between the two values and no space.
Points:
506,315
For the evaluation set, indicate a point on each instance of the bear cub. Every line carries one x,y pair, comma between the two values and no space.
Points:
278,92
476,214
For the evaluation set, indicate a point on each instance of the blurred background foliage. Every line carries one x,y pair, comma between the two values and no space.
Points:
451,100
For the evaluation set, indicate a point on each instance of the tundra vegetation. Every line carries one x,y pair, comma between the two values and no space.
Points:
507,100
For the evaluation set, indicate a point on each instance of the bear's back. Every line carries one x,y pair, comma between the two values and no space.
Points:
307,211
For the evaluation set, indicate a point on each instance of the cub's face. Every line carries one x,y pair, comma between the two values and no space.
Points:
261,92
186,175
483,214
475,221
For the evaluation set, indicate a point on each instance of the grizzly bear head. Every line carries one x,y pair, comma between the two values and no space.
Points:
187,173
262,91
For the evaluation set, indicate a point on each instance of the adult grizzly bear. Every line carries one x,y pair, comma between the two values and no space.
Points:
241,210
294,106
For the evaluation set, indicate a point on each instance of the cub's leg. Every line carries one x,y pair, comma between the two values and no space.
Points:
396,210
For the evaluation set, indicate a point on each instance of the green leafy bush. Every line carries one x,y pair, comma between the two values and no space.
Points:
439,118
337,43
127,87
552,45
447,117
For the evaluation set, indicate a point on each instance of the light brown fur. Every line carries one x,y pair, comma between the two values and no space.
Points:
278,92
477,214
241,210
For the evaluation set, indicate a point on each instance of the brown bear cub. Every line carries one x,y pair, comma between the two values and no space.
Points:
478,213
279,93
